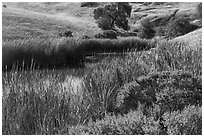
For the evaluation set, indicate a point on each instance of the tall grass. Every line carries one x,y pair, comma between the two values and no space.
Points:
33,106
50,53
37,103
117,45
41,53
104,80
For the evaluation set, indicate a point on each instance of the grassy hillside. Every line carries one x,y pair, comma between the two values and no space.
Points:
48,19
25,21
194,39
158,12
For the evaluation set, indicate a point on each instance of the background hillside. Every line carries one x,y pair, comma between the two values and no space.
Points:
23,20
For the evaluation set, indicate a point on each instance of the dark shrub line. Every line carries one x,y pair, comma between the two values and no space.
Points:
55,53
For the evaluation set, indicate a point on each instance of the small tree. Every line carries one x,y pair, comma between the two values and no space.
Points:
114,14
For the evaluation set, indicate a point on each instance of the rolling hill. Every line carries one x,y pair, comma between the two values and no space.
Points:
194,39
25,20
48,19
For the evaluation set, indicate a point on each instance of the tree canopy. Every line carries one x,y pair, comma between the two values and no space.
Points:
113,14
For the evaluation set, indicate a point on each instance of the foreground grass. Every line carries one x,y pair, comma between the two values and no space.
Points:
31,107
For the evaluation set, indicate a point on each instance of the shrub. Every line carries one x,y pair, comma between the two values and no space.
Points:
131,94
160,31
179,26
110,34
186,122
100,36
146,30
89,4
131,124
172,90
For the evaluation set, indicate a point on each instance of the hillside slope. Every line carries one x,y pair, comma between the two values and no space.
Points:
194,39
48,19
24,21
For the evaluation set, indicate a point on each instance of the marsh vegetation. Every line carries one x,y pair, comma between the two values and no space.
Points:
59,85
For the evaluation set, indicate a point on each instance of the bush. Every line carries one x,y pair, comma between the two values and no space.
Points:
186,122
146,30
172,90
89,4
131,124
131,95
178,27
110,34
160,31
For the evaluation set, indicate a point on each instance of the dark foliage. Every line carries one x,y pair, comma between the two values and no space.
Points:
160,31
114,14
179,26
146,30
40,53
110,34
89,4
58,53
170,90
104,23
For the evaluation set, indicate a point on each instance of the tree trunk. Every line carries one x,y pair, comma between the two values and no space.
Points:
112,23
